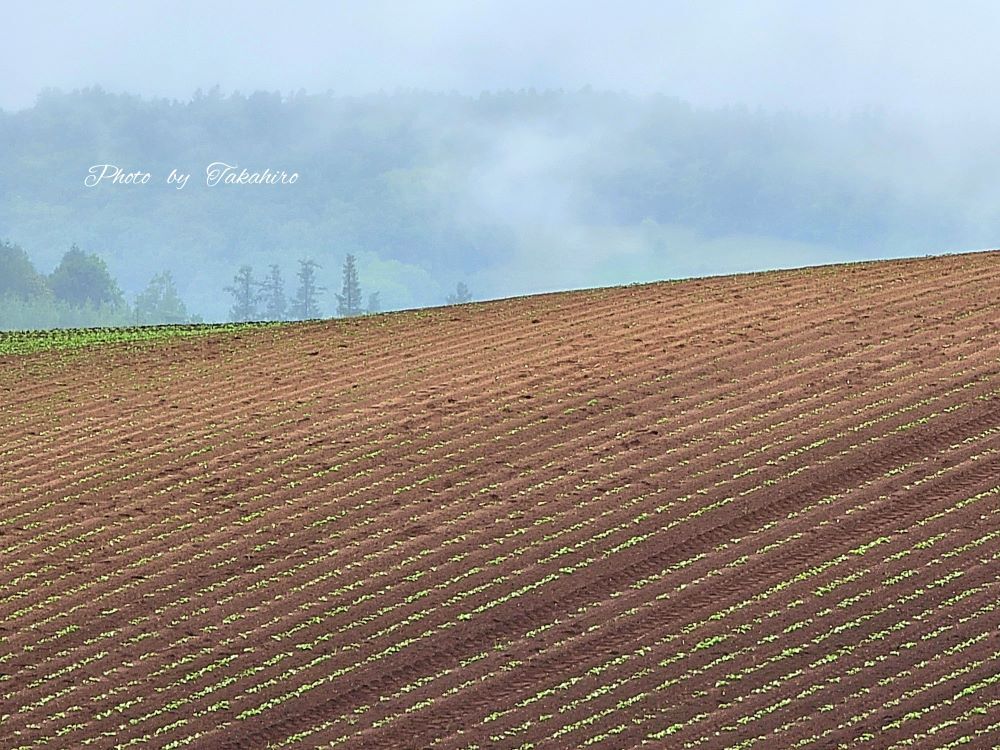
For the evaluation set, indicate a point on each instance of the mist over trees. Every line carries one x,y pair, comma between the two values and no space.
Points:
246,296
18,277
83,279
160,304
305,306
273,296
349,300
509,192
460,295
79,293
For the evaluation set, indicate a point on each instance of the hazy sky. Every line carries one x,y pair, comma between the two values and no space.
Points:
930,59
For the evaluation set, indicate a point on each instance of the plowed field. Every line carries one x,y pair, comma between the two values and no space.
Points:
757,511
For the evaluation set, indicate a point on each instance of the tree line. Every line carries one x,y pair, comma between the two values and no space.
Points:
266,298
426,183
82,292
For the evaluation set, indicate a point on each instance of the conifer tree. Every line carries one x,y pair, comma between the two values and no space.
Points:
349,300
273,293
159,303
246,296
306,306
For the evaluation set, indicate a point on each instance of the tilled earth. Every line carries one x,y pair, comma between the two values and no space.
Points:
749,511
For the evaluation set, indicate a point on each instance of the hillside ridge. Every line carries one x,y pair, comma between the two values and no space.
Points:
755,510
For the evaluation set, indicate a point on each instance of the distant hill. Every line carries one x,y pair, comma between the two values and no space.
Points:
509,192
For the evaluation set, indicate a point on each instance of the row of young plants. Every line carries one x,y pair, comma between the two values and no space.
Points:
708,642
30,342
596,670
213,384
692,584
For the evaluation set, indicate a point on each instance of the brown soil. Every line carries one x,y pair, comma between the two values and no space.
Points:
747,511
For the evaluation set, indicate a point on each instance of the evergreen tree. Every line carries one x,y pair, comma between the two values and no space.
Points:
305,306
83,279
159,303
461,295
374,303
245,296
273,292
349,300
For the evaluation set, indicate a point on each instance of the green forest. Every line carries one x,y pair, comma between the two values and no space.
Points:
440,197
